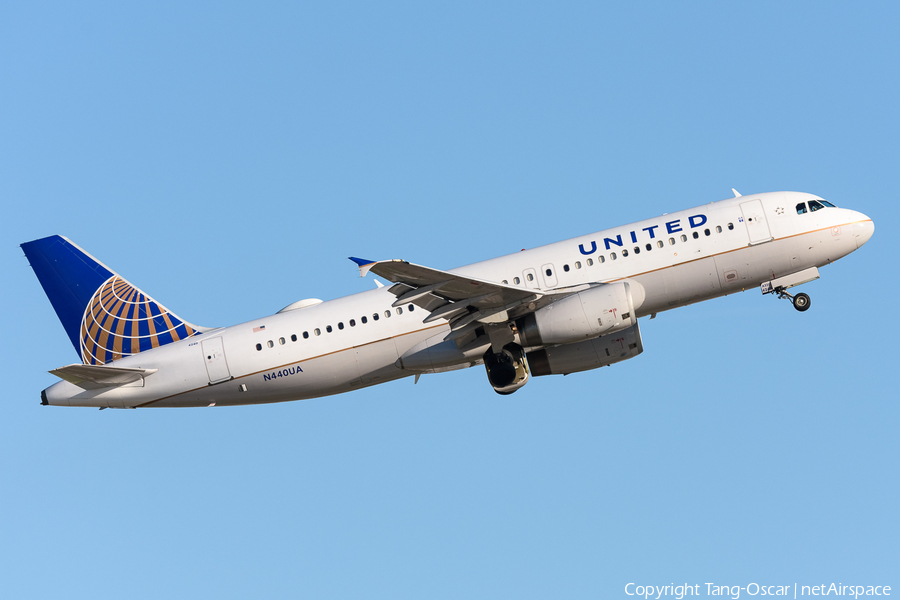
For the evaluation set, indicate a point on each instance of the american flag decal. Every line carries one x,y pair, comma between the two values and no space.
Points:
258,329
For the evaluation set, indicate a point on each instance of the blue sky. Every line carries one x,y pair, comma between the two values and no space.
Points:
227,158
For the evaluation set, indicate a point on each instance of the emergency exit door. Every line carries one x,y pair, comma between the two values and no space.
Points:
214,356
755,220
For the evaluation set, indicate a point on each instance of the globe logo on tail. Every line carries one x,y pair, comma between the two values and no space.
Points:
120,320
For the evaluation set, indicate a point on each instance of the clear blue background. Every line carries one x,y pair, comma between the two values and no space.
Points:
228,158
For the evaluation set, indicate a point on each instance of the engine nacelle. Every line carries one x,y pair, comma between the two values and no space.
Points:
586,355
507,370
600,310
435,355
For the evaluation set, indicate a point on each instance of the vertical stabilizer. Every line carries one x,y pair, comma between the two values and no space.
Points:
105,316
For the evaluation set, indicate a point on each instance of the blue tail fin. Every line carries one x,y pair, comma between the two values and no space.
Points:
105,317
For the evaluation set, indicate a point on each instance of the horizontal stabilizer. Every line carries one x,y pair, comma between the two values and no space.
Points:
93,377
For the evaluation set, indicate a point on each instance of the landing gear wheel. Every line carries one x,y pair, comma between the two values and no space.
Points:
801,302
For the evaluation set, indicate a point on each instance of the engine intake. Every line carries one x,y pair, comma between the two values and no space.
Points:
507,370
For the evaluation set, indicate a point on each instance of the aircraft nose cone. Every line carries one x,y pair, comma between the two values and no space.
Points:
863,230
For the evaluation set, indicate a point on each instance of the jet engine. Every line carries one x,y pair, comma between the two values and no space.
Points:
586,355
597,311
507,370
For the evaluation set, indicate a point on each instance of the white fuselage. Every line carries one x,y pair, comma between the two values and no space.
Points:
676,259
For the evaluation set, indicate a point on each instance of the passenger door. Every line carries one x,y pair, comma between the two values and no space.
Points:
755,220
214,356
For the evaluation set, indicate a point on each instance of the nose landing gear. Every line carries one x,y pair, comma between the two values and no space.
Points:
780,285
801,301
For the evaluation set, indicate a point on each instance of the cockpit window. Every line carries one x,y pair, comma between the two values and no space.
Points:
801,208
827,203
814,206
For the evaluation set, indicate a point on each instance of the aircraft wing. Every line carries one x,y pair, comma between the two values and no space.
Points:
93,377
460,299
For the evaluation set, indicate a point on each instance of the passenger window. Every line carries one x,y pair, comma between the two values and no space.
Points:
566,268
649,247
305,335
505,282
364,320
516,280
637,249
530,277
590,262
281,341
659,244
316,331
387,314
328,328
374,316
814,206
270,344
683,238
801,208
352,322
293,337
399,310
602,258
718,229
730,226
577,264
612,256
549,272
624,253
259,346
340,325
411,307
671,241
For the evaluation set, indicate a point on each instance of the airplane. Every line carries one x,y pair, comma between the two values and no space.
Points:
561,308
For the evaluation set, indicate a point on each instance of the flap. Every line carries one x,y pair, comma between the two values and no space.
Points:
92,377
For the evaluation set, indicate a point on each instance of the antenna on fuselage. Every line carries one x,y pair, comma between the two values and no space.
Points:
736,193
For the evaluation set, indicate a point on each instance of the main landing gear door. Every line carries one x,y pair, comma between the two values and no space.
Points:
214,357
755,220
